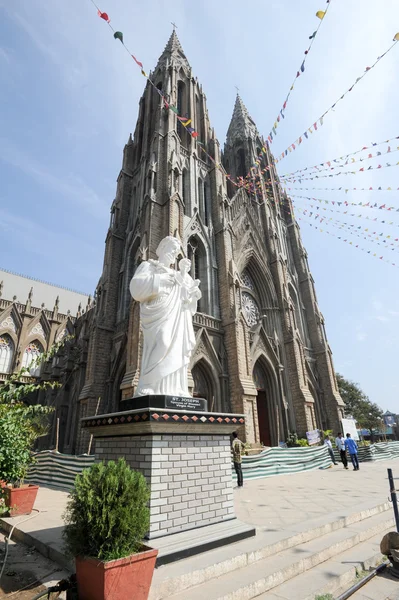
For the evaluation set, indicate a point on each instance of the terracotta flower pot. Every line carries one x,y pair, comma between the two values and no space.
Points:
20,500
120,579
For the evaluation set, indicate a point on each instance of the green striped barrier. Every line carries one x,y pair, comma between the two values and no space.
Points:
283,461
56,470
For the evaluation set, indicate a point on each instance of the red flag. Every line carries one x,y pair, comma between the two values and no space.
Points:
138,62
103,16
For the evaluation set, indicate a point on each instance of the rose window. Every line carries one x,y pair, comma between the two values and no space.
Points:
250,309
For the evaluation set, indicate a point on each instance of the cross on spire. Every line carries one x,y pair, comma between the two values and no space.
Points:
174,26
237,88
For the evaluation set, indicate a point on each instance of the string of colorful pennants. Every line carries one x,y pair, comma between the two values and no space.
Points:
346,157
343,189
349,214
347,204
381,237
320,15
375,255
361,170
320,120
330,168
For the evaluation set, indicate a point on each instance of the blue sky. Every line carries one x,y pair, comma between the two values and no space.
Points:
68,101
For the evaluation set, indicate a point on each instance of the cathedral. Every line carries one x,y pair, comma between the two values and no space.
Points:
261,346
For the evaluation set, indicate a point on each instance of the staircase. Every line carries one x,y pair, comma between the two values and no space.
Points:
317,557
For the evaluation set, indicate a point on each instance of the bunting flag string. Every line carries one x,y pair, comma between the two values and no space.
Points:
379,237
347,204
320,15
349,214
341,238
347,156
346,190
320,120
361,170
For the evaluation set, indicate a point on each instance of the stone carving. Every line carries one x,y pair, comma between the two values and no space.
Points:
168,300
38,330
8,323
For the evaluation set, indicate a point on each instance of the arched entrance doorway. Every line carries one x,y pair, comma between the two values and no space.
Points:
203,383
264,401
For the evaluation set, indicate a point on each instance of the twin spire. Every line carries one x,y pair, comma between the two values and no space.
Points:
242,125
173,50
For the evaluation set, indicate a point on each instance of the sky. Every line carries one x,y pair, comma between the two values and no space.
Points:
69,97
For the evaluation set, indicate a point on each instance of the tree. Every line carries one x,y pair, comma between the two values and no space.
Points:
368,414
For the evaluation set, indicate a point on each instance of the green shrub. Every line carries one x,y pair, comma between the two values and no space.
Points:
107,514
19,428
302,442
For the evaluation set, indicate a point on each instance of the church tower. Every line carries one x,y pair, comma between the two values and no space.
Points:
284,377
260,343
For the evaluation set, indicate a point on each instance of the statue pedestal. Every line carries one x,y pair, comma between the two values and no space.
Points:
186,458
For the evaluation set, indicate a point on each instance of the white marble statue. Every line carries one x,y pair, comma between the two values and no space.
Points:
168,300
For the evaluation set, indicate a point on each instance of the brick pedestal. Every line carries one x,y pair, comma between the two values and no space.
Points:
185,457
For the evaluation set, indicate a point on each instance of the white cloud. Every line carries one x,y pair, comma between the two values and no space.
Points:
382,318
4,55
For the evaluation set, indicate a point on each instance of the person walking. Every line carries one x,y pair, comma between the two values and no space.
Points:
238,448
351,446
327,442
340,443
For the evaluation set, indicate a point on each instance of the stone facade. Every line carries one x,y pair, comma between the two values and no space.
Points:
261,344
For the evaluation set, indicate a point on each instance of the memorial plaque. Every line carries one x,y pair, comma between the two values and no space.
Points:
164,401
178,403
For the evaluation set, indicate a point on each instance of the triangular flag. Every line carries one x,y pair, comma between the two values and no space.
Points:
138,62
118,35
103,16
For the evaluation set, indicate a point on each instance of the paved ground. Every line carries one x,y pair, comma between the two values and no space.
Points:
382,587
277,502
24,571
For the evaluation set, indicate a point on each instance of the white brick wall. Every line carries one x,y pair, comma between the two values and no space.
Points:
189,475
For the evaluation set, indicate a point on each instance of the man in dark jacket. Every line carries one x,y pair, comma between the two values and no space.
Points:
238,448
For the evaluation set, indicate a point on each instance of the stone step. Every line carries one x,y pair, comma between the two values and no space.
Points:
266,574
333,576
186,574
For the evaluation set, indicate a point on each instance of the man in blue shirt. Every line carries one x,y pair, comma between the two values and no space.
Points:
351,446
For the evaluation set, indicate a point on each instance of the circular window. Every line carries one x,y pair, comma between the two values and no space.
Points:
250,309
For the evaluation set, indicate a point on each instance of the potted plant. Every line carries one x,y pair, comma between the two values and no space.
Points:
17,434
106,519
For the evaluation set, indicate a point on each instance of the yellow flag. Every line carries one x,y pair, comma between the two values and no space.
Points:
396,38
320,14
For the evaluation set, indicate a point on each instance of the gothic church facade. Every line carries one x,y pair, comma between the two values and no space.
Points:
261,345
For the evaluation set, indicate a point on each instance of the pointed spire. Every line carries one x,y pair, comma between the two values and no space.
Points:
241,124
130,140
174,52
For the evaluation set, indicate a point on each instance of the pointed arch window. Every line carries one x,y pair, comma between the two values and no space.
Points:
196,252
241,163
31,354
186,192
6,353
181,108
